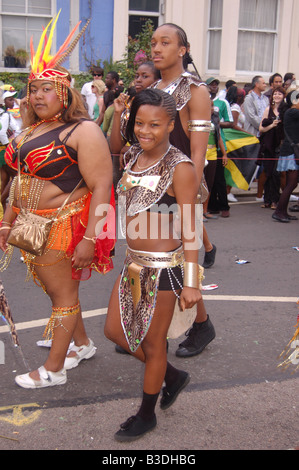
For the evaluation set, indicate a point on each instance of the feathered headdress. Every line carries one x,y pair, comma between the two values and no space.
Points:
43,63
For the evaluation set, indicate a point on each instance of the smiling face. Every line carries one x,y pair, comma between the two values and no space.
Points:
278,97
165,47
152,128
44,100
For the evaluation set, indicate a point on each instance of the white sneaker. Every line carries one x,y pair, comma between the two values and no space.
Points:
259,199
82,352
43,343
231,198
47,379
293,198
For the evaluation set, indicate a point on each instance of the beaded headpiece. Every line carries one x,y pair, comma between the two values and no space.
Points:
43,63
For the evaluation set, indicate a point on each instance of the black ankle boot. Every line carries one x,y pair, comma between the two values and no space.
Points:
198,337
209,258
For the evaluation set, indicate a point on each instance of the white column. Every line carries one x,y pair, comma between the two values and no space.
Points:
120,28
74,19
229,43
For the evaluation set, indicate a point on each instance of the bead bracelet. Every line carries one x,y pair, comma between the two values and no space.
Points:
93,239
6,223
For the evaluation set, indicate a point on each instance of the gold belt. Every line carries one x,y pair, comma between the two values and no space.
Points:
161,259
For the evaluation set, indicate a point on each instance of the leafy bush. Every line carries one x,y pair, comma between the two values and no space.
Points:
17,80
137,50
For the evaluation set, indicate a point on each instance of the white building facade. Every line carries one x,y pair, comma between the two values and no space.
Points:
230,39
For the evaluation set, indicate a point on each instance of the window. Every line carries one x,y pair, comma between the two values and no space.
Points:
145,5
215,33
140,11
37,7
257,35
22,19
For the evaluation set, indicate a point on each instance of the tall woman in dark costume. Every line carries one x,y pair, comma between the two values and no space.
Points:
191,132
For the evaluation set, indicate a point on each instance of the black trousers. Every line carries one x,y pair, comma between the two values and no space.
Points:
218,197
272,183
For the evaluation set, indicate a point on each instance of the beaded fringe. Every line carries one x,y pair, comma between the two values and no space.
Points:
291,353
58,314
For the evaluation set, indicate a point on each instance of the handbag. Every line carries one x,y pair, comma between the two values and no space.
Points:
182,321
30,232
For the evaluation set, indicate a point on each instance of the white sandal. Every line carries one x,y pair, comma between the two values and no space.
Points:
82,352
47,379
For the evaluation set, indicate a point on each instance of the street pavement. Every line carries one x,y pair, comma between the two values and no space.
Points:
237,399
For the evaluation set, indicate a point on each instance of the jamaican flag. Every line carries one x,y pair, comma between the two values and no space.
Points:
242,153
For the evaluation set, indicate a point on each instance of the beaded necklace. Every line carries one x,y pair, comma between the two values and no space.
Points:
147,167
31,188
32,128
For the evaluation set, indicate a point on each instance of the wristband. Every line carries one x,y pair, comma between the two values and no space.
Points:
191,275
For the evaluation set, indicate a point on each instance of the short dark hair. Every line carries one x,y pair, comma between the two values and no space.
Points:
232,95
97,70
271,79
114,75
151,65
229,83
288,76
152,97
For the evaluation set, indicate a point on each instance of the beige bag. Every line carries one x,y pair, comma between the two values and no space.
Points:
30,232
183,320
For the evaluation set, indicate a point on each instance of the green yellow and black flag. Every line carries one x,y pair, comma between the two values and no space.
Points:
242,153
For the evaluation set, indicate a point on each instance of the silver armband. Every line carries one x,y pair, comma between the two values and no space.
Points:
199,126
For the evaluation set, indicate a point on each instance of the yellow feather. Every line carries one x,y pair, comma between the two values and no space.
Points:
39,48
46,56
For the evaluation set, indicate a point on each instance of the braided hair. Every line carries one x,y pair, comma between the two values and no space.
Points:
183,41
152,97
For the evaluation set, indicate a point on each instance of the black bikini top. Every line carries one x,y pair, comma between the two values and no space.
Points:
48,158
164,204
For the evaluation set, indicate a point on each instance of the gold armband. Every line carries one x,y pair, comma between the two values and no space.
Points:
199,126
193,275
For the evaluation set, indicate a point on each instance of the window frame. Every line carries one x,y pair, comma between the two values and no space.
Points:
209,30
25,15
154,14
274,32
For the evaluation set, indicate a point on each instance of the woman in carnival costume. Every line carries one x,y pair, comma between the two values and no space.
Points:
170,54
159,266
61,153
